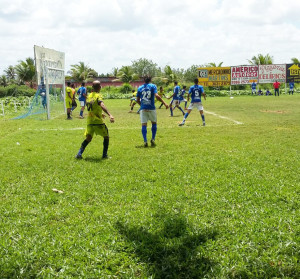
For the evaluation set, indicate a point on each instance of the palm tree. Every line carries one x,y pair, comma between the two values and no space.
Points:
26,71
126,75
3,81
82,72
213,64
10,73
295,60
261,59
169,76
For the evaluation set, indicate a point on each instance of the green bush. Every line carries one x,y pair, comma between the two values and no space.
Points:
16,90
125,88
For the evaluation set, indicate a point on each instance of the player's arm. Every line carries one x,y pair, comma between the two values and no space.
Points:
204,95
111,118
161,100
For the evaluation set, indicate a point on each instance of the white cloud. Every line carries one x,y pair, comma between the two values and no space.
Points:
112,33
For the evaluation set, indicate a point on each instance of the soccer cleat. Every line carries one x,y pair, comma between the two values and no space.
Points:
78,156
145,144
106,157
153,144
69,118
81,117
203,123
181,124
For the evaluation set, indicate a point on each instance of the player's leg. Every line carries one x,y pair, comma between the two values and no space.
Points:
84,144
144,119
202,116
187,114
153,119
105,135
179,107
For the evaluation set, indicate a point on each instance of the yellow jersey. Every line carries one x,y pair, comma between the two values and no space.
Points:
69,90
94,108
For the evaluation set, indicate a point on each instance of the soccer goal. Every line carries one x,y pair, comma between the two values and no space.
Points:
50,72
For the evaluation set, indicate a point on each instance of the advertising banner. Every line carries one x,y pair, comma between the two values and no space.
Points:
51,62
214,76
271,73
293,73
244,74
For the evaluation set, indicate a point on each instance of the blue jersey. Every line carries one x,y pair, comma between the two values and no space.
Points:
80,92
181,96
176,92
146,93
253,85
196,92
292,85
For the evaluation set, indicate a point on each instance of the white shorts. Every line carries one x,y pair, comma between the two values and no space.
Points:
82,103
197,105
175,103
147,115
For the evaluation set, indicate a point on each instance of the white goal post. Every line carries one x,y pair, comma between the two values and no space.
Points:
50,69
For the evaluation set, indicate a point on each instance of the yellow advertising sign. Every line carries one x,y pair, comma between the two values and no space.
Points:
214,76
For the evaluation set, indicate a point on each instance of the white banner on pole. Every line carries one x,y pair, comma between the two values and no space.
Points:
52,62
271,73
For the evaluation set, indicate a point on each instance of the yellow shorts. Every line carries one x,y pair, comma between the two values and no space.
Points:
98,129
68,103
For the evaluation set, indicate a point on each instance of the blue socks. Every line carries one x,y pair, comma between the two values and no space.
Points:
81,113
154,129
203,118
144,132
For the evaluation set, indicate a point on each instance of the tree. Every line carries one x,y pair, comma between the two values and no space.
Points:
82,72
3,81
261,59
144,67
213,64
26,71
168,75
114,71
295,60
10,73
191,73
126,75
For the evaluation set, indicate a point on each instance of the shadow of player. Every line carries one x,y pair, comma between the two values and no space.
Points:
173,251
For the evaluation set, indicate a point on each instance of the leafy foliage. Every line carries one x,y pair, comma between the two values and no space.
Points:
82,72
26,71
126,75
261,59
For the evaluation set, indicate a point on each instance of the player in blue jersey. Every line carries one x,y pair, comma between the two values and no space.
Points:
146,95
253,87
175,99
292,85
181,97
82,98
196,91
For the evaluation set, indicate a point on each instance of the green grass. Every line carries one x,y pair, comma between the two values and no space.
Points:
220,201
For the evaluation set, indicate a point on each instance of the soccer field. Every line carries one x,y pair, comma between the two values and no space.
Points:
220,201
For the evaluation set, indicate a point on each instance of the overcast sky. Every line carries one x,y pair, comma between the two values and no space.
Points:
180,33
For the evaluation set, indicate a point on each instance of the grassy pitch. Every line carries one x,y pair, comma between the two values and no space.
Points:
220,201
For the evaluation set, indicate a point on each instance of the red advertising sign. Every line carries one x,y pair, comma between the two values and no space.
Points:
244,74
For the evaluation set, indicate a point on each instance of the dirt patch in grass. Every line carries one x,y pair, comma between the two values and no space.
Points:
274,111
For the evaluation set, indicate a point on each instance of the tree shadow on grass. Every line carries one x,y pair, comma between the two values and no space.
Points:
173,251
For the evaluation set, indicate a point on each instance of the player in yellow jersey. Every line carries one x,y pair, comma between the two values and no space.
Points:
68,99
161,93
95,124
132,101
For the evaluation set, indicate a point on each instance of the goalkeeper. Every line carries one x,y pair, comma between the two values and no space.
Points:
95,124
